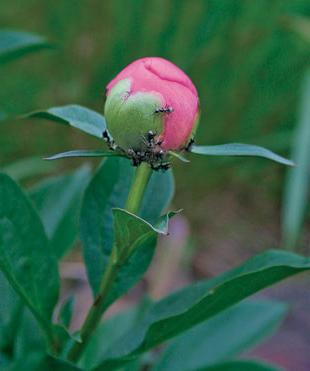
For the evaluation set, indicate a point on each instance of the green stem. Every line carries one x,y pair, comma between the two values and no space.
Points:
98,307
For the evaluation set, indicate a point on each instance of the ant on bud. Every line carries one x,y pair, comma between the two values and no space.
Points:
167,109
189,144
110,142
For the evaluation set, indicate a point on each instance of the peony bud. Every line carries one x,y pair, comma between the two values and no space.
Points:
151,105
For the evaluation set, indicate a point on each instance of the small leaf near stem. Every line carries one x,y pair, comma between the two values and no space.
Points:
138,187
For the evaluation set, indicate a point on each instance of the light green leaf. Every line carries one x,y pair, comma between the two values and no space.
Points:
297,190
82,118
215,340
84,153
186,308
14,44
25,258
241,366
27,168
58,201
240,149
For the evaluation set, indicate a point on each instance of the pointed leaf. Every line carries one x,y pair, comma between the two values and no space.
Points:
240,149
82,118
84,153
58,201
25,258
251,320
14,44
188,307
139,237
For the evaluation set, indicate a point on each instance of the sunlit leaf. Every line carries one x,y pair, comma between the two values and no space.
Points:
82,118
240,149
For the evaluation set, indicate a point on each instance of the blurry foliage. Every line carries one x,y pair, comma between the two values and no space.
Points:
243,55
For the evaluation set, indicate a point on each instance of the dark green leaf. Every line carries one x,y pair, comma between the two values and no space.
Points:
25,258
241,366
215,340
27,168
296,197
84,153
186,308
58,201
240,149
158,196
82,118
66,312
108,188
14,44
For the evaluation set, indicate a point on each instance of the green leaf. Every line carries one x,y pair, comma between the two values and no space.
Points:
109,189
240,149
66,312
27,168
25,258
139,238
58,201
14,44
82,118
241,366
84,153
158,195
252,321
186,308
297,190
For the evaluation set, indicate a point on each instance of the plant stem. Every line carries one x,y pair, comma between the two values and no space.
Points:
98,307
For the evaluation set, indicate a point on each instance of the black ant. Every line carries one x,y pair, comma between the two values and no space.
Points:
189,144
164,110
110,142
150,141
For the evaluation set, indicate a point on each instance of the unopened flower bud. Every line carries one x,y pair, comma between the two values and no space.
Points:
151,103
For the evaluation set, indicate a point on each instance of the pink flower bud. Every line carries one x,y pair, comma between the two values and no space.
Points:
151,95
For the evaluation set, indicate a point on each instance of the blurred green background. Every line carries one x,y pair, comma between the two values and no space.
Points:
247,59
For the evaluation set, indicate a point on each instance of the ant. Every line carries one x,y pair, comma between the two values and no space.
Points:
150,140
168,109
110,142
189,144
